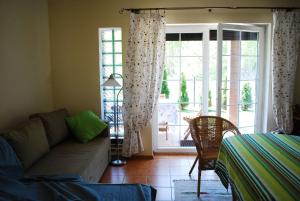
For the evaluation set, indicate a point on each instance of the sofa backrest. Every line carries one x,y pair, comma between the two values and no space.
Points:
29,141
55,125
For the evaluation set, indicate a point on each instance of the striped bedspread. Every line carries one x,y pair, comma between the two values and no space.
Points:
261,166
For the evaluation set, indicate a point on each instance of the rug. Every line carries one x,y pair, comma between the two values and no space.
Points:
211,190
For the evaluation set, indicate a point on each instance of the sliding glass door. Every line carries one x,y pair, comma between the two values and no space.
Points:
209,70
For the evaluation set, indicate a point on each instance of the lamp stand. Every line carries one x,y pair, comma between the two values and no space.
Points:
118,161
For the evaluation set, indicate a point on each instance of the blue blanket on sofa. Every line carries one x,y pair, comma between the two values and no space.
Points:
61,188
13,186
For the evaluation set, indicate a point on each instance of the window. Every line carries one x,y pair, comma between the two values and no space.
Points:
110,52
215,70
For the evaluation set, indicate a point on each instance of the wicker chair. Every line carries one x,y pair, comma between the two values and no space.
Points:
207,133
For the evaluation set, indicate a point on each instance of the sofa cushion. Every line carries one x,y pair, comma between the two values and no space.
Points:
55,125
29,141
86,125
87,160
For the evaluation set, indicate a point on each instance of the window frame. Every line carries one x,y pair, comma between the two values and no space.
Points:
101,77
204,29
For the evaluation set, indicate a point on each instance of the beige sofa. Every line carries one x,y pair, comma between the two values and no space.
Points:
45,146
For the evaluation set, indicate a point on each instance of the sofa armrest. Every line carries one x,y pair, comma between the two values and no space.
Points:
106,131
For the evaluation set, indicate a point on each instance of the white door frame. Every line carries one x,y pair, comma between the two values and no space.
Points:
195,28
261,96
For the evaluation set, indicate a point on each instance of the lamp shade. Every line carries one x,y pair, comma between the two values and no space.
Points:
111,82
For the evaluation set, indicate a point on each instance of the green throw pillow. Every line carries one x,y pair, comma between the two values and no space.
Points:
85,125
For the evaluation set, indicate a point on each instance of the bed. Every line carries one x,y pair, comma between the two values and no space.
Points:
261,166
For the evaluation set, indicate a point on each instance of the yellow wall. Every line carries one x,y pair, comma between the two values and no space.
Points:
74,40
25,82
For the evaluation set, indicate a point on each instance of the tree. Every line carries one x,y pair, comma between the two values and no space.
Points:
184,98
224,95
165,88
209,99
246,97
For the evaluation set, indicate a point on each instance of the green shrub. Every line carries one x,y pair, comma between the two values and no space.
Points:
209,99
184,98
165,88
246,97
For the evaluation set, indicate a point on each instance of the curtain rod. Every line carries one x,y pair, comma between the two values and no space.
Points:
123,10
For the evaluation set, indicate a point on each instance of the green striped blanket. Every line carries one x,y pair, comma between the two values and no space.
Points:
261,166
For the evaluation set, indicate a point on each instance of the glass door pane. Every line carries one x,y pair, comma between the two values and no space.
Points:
182,88
239,76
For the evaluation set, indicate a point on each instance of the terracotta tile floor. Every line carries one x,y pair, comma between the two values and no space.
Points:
158,172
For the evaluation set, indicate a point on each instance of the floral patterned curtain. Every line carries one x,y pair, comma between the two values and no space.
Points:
286,39
142,76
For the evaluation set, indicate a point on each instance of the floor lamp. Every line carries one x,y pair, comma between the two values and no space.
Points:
112,82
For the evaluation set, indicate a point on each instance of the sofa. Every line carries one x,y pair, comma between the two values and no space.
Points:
63,187
45,146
